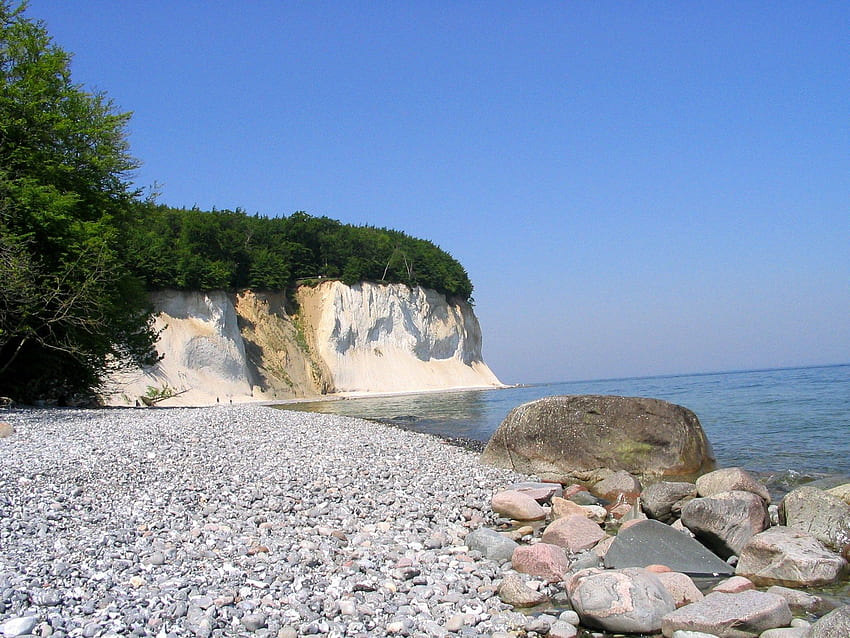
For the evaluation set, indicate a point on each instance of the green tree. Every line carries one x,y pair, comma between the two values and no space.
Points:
69,307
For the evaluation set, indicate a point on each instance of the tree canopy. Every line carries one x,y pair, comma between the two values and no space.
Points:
69,305
192,249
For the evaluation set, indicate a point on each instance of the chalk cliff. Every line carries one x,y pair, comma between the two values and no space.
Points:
366,338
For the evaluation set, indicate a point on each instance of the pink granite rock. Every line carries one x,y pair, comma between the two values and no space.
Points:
734,585
574,533
542,560
744,615
681,588
517,505
790,557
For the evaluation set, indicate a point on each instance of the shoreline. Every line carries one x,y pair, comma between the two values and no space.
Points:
177,402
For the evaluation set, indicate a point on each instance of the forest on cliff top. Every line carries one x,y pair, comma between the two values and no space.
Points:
80,245
209,250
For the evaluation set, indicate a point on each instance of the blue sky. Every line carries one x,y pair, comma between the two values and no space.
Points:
635,188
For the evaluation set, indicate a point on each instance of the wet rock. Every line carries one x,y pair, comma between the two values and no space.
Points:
653,543
790,557
744,615
630,600
725,521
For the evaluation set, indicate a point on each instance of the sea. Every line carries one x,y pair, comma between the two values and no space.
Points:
788,426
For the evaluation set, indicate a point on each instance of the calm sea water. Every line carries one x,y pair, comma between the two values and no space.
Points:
789,426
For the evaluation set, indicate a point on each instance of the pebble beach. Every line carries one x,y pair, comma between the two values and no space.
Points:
241,520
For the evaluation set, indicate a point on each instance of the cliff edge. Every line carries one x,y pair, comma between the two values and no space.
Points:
366,338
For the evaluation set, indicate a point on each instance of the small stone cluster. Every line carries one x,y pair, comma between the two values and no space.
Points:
681,559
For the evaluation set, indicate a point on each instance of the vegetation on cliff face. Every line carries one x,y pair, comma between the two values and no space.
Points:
196,250
79,247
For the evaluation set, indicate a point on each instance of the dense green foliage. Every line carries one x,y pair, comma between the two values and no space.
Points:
191,249
69,306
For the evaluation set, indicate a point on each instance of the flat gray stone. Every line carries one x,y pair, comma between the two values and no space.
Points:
491,544
654,543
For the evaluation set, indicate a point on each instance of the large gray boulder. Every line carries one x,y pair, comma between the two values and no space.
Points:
725,521
624,601
791,557
564,438
820,513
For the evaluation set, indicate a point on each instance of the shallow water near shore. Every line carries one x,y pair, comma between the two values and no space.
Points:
789,426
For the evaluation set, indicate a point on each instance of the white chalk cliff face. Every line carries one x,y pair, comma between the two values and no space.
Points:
367,338
391,338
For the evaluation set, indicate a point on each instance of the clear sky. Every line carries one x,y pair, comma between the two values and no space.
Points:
635,188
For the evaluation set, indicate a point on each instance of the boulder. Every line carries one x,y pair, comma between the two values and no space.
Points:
725,521
664,500
791,557
730,479
574,533
492,545
744,615
517,505
563,438
541,560
823,515
6,430
513,591
652,543
630,600
836,624
681,588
